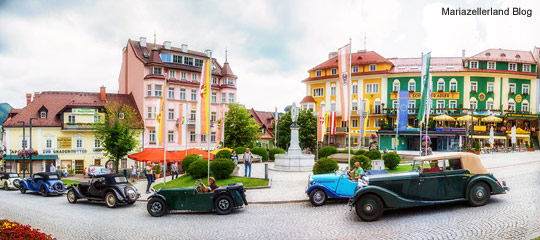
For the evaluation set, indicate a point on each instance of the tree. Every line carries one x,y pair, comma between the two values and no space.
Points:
284,130
118,130
308,130
240,129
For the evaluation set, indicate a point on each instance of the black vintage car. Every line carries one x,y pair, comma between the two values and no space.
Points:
111,188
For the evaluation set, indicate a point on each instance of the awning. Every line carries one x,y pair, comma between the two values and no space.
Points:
487,137
520,135
38,157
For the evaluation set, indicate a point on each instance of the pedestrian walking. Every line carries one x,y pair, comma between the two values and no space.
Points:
234,157
248,159
133,173
148,172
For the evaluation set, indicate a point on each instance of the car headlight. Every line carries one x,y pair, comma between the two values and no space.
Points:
131,193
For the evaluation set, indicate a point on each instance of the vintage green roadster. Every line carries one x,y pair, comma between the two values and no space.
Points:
433,180
223,200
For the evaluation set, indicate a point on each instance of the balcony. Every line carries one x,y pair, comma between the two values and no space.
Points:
341,130
78,126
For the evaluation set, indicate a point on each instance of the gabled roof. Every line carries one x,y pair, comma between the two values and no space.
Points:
264,119
359,58
438,64
504,55
308,99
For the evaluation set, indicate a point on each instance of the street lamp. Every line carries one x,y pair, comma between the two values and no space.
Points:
23,145
31,167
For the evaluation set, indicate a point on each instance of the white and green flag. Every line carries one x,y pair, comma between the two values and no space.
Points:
425,88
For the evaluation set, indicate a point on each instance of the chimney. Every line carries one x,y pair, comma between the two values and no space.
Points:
36,94
102,93
28,99
167,45
184,48
332,54
142,42
463,53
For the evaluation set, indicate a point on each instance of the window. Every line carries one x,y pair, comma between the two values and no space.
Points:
97,143
97,118
148,90
377,120
512,67
170,136
43,114
171,114
412,86
395,104
491,65
354,89
121,115
198,62
193,115
166,57
372,88
71,118
177,59
157,91
334,71
183,75
512,88
149,112
473,104
395,87
188,61
322,105
318,73
354,106
355,69
511,106
354,123
489,104
79,143
193,77
474,64
193,94
440,86
24,143
231,97
155,70
372,67
213,137
213,117
344,124
490,87
440,106
474,86
214,80
152,136
452,104
412,106
171,93
453,86
525,107
192,137
203,137
526,67
525,89
171,74
333,90
318,92
332,106
223,98
182,94
48,143
214,97
377,107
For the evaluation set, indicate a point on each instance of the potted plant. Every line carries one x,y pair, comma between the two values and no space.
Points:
531,146
525,93
452,90
511,93
476,148
490,92
473,91
439,90
157,171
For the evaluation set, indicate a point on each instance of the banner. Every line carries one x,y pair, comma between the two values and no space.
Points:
332,125
403,111
344,54
203,99
363,115
160,117
424,87
320,125
221,135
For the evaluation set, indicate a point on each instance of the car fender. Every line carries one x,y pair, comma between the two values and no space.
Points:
156,195
495,187
326,190
224,193
389,198
118,195
77,191
25,183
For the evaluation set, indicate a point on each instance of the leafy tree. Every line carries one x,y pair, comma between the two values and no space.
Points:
284,131
118,130
308,130
240,128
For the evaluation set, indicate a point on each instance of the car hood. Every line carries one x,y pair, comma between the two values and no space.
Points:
393,176
325,177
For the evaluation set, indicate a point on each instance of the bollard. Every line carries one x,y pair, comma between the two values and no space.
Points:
266,171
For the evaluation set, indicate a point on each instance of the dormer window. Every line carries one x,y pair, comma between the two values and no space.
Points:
512,66
71,119
318,73
43,114
474,65
334,71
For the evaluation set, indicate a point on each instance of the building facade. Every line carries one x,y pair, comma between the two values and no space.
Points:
146,67
497,82
62,131
265,120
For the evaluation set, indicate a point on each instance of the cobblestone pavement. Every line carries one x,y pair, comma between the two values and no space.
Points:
511,216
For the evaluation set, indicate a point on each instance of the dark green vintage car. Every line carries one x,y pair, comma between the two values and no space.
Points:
433,180
223,200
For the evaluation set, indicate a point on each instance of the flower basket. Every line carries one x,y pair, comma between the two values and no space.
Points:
452,90
27,153
525,93
511,93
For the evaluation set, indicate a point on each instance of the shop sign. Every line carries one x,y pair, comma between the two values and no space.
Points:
449,129
86,111
69,151
518,98
523,115
434,95
64,142
479,128
482,97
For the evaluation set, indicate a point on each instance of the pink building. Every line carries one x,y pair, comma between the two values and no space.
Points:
145,67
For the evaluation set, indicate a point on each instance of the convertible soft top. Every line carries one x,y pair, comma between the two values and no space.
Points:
469,161
46,173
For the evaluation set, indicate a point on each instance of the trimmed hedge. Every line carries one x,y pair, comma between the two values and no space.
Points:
325,165
198,169
261,152
223,154
327,151
360,152
273,152
222,168
347,151
364,161
240,150
373,154
391,160
188,160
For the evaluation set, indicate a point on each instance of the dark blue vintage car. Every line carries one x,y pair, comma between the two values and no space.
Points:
45,183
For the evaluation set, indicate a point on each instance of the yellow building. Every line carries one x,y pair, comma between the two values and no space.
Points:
61,131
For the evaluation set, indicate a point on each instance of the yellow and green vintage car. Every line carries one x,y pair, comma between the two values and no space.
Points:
433,180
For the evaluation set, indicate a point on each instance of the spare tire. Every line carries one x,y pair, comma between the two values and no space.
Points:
58,186
17,183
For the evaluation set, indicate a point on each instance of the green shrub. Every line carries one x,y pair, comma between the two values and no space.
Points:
240,150
476,146
373,154
273,152
222,168
261,152
325,165
189,159
223,154
347,151
360,152
391,160
198,169
327,151
364,161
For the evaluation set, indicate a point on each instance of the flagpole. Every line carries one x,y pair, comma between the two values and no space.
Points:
208,104
349,76
164,134
186,128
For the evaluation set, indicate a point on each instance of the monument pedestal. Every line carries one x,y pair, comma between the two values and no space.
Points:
294,160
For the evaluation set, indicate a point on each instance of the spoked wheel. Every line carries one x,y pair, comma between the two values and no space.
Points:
110,200
224,205
156,207
71,196
43,191
479,194
17,183
369,208
317,197
22,189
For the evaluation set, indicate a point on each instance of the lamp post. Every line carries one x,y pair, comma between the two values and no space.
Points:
23,145
31,167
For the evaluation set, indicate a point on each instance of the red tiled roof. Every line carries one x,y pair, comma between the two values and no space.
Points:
308,99
360,58
504,55
226,70
154,57
56,102
264,119
438,64
267,135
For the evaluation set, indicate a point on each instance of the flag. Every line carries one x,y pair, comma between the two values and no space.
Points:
424,87
403,111
325,127
344,79
366,111
160,118
182,122
221,134
363,115
320,125
203,103
332,125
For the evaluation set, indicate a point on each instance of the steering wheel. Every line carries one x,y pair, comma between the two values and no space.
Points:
199,186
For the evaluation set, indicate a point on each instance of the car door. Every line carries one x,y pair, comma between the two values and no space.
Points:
456,179
95,187
345,186
203,201
36,181
431,183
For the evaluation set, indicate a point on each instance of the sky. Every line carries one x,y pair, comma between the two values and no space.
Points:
77,45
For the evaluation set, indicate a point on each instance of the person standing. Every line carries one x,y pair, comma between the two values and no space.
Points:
234,157
174,170
138,171
133,173
52,169
149,178
248,159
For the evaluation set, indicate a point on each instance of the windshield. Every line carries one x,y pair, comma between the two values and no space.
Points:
417,165
13,175
53,177
120,179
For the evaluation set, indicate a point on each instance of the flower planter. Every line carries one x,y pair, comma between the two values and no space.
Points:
477,152
531,149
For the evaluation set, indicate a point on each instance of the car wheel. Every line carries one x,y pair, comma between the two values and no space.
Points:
43,191
22,189
479,194
72,196
6,186
110,200
369,207
17,183
317,197
224,205
156,207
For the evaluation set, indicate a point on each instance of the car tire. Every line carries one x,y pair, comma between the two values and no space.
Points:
22,189
369,207
318,197
43,191
156,207
110,200
6,186
479,194
224,205
72,196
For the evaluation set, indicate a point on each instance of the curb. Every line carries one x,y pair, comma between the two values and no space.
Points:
261,187
280,202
